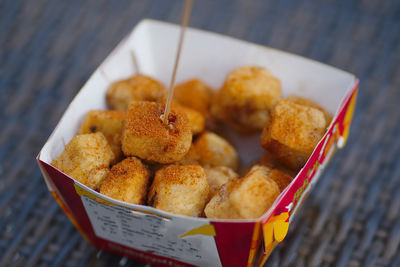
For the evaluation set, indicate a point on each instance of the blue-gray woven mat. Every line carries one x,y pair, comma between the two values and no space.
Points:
48,49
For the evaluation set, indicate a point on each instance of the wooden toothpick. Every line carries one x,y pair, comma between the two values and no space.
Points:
185,21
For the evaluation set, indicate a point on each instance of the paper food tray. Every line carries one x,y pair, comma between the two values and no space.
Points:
162,238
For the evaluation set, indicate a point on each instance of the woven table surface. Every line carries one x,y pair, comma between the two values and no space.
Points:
48,49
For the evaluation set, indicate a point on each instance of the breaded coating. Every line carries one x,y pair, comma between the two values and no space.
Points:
144,134
109,122
281,178
191,158
267,160
220,206
194,94
213,151
128,181
270,161
96,177
246,97
136,88
217,176
180,190
309,103
86,158
293,132
245,198
196,119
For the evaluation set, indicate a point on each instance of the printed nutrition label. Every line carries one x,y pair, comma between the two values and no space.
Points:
151,233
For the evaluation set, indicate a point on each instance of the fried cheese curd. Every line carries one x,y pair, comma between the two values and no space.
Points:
109,122
246,97
139,87
309,103
194,94
281,178
293,132
245,198
144,134
86,158
217,176
270,161
180,189
191,158
128,181
213,151
196,120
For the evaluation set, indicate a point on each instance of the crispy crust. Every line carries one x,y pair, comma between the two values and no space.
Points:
194,94
217,176
245,198
246,97
293,132
109,122
213,151
281,178
270,161
137,88
180,189
128,181
86,158
144,134
196,119
191,158
309,103
220,207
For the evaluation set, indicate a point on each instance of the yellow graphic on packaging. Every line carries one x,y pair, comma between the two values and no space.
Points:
266,254
82,192
207,229
300,191
275,229
254,243
348,117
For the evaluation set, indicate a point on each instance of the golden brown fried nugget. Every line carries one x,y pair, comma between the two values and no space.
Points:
213,151
309,103
270,161
194,94
293,132
137,88
217,176
246,97
109,122
196,119
245,198
128,181
180,190
281,178
86,158
144,134
191,158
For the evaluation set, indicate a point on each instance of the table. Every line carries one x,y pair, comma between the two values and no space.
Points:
48,49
